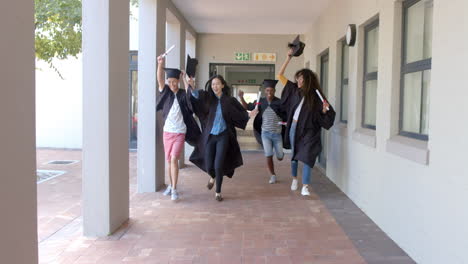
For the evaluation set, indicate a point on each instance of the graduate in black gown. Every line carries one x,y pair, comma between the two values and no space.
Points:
268,128
306,116
179,124
219,115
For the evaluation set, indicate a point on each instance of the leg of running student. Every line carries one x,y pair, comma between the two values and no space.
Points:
221,150
278,145
306,172
210,153
292,134
268,150
167,142
178,144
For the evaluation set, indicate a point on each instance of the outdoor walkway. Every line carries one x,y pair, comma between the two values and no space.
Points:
256,223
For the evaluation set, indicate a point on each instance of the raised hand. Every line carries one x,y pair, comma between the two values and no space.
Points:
191,81
253,112
325,107
160,59
241,93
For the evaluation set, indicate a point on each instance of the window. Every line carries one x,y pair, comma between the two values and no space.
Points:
324,72
324,62
371,49
133,93
344,82
416,68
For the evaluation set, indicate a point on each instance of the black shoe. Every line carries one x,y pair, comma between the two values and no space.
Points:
210,184
218,197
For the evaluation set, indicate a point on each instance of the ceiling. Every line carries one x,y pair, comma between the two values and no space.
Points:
251,16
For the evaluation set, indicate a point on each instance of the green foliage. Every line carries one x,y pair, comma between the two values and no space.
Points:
58,29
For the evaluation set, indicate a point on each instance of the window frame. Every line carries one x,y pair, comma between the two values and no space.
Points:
407,68
343,81
368,76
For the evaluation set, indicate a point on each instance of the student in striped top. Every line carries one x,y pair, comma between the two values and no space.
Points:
306,115
268,123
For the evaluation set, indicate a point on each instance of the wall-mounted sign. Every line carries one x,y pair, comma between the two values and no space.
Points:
248,81
242,56
264,57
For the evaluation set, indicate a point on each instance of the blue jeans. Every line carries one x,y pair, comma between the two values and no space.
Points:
272,140
306,169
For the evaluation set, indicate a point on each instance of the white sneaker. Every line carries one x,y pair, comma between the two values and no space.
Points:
272,179
294,184
168,190
174,195
305,190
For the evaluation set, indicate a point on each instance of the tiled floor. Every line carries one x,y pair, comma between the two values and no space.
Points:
256,223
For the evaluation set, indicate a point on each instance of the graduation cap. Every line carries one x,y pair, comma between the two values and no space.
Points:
172,73
269,83
191,66
297,46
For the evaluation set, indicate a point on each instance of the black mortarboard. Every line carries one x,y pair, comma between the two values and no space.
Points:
172,73
269,83
191,66
297,46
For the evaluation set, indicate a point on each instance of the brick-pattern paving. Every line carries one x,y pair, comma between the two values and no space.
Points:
256,223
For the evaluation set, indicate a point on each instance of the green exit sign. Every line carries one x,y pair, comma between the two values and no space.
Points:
242,56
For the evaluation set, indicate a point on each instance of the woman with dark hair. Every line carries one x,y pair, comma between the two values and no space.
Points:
307,114
219,115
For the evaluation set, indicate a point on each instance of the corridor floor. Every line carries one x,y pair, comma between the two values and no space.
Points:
256,223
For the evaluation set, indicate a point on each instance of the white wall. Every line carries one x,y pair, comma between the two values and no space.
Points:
221,48
59,102
420,206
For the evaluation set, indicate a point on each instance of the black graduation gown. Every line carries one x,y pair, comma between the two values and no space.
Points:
234,115
307,141
262,106
164,103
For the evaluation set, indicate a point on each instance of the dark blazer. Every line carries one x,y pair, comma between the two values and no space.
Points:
307,141
164,103
262,106
234,115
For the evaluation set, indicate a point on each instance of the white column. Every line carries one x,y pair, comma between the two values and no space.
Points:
182,61
152,24
18,197
173,38
190,46
105,116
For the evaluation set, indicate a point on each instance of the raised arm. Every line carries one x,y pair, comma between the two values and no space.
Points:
241,97
160,73
286,62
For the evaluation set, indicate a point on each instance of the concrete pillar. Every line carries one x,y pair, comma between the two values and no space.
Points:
152,42
105,116
173,30
18,192
182,61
